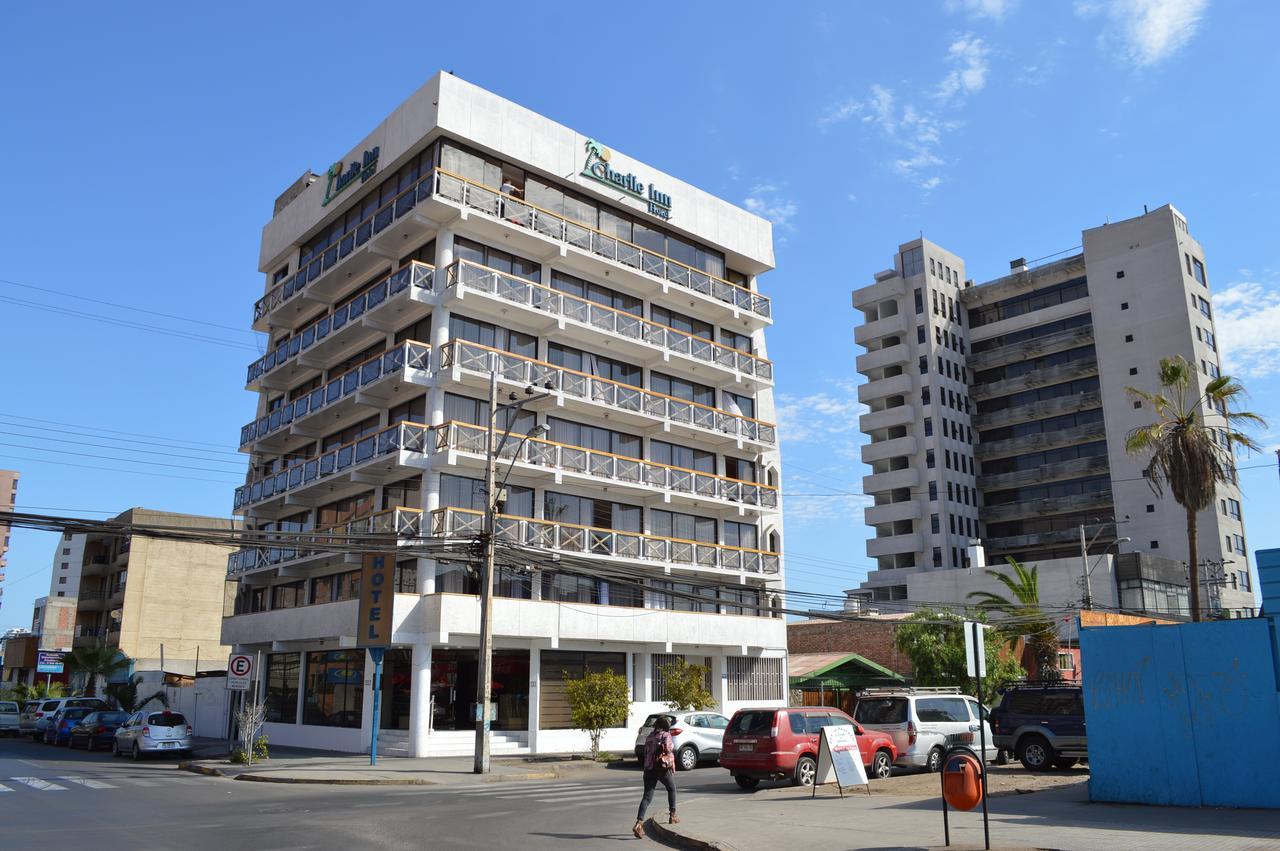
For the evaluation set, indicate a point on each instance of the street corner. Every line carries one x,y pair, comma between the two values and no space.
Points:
681,836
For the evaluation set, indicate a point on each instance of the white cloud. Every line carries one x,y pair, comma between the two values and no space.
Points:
969,56
992,9
1247,316
767,202
1147,32
839,112
822,508
820,417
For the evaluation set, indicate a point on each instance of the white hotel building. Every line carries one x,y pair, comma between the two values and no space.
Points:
466,234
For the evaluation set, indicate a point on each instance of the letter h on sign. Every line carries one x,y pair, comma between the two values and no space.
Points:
376,578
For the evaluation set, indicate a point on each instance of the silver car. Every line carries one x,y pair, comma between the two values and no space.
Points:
924,722
9,717
697,736
150,732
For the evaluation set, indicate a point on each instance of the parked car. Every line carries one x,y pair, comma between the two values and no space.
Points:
924,722
36,714
152,732
697,736
763,744
1042,724
9,717
58,730
97,729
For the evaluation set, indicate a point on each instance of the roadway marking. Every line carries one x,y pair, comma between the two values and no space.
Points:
138,782
42,785
524,793
85,781
4,788
589,796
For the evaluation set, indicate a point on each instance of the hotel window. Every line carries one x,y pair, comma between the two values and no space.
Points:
921,336
282,687
744,535
734,340
933,268
672,455
464,409
322,588
933,491
468,493
413,411
594,437
334,694
912,262
596,293
937,556
928,426
1233,508
919,301
288,596
924,364
406,493
737,468
1198,271
935,525
685,527
930,459
593,364
596,513
493,336
1204,306
682,388
680,322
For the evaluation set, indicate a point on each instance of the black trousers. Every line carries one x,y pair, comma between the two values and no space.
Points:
652,777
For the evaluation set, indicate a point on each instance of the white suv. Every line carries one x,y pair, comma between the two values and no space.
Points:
924,722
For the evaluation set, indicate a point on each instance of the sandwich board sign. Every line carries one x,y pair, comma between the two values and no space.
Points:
839,760
239,672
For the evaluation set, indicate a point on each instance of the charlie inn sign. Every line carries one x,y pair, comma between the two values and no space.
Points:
597,168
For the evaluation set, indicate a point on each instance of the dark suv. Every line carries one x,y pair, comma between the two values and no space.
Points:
1042,724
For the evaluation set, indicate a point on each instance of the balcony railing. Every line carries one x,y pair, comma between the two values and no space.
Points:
465,437
92,595
474,196
410,437
400,523
523,370
410,353
568,537
515,289
415,276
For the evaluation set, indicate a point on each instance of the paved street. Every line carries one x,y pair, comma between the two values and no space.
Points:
55,798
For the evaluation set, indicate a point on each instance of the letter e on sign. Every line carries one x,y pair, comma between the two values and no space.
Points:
375,615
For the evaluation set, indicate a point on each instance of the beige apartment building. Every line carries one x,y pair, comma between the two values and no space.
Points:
998,414
150,597
8,497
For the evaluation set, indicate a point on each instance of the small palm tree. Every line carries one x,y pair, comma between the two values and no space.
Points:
39,691
1024,615
1191,444
95,662
126,695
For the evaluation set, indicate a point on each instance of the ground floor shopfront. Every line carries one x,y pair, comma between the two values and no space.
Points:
319,691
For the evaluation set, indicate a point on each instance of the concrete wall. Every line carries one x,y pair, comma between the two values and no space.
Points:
1186,715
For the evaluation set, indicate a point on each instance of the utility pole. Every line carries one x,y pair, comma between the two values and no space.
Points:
1087,602
484,681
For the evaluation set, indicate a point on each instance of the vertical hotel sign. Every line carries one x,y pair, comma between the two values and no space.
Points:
376,601
598,169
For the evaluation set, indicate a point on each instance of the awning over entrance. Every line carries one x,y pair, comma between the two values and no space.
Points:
838,671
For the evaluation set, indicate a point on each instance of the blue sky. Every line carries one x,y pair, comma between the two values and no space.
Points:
143,151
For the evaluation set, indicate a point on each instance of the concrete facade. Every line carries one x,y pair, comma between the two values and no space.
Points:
8,496
999,411
468,235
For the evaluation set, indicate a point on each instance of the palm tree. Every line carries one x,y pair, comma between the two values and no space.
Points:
126,695
95,662
23,692
1191,444
1024,615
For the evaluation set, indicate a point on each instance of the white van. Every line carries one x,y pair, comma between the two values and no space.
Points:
924,722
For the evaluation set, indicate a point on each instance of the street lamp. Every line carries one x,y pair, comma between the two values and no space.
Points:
1087,602
1088,573
493,495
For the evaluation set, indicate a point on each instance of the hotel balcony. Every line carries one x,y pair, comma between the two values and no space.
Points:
883,289
908,477
1097,501
464,445
888,449
473,362
893,544
340,472
899,415
887,356
1086,433
1072,338
91,601
906,510
896,324
1073,469
1038,410
327,546
630,336
1037,539
393,302
381,382
589,541
440,197
1035,378
895,385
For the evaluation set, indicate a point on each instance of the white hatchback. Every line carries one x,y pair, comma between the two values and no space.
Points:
153,732
697,736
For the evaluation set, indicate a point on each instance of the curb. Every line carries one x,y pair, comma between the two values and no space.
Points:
408,781
207,771
665,833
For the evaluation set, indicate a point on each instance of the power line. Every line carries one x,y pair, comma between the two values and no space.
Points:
113,458
62,440
112,431
82,466
46,429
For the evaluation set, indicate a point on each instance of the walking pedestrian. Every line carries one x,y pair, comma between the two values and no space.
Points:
659,767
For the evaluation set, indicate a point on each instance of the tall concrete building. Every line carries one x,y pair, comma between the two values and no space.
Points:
8,498
999,411
467,236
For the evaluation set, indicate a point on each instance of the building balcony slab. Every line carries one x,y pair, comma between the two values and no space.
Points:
1037,378
872,294
897,385
899,415
887,356
1040,442
895,325
877,514
891,480
1073,469
893,544
1038,410
1072,338
888,449
1045,507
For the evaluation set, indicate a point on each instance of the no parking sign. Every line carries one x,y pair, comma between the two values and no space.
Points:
239,672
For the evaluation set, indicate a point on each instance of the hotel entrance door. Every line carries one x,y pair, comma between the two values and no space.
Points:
453,689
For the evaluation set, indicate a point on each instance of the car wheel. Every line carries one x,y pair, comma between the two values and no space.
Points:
1064,762
88,744
115,748
1036,754
806,770
745,782
881,765
137,753
1002,757
934,764
687,758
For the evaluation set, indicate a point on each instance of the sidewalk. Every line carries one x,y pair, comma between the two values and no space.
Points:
1057,818
297,765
